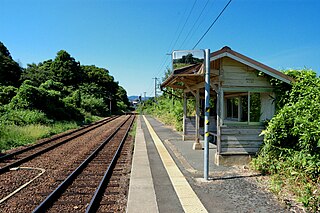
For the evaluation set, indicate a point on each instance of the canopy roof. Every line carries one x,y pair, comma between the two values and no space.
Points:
186,77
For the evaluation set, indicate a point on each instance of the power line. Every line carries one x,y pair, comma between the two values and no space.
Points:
204,17
172,43
185,23
212,24
195,23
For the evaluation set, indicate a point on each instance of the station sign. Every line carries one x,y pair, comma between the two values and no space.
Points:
185,58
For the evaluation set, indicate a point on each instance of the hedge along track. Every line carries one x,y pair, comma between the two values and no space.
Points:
21,156
84,187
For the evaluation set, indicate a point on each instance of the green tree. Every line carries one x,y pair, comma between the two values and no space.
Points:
10,70
122,99
38,73
66,69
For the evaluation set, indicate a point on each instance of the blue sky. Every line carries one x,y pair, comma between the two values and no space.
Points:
132,37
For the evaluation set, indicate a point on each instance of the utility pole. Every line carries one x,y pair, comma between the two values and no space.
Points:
110,105
155,87
145,95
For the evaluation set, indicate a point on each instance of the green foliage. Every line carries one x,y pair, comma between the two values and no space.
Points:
44,99
168,110
52,92
95,106
122,100
291,148
6,94
13,135
38,74
10,70
23,117
66,69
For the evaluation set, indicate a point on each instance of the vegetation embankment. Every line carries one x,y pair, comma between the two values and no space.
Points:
291,150
166,109
290,154
52,96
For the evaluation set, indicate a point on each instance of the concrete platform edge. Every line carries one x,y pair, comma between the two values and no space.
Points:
141,189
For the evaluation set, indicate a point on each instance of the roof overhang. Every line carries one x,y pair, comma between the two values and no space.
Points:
193,74
227,52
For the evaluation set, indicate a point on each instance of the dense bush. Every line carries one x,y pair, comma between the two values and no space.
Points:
23,117
43,99
291,149
6,94
94,105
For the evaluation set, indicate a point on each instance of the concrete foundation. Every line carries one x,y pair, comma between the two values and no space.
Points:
232,160
197,146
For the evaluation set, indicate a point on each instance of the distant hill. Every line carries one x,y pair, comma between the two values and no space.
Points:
136,97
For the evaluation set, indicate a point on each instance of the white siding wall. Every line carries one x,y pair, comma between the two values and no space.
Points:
237,74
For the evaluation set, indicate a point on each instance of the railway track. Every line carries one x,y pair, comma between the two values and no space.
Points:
86,185
48,170
17,158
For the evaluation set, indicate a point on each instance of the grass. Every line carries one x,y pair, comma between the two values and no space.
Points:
12,136
133,130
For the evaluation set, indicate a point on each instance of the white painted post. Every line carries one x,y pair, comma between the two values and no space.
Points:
184,115
197,116
207,114
197,145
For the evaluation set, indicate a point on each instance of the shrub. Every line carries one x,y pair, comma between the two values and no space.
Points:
6,94
24,117
291,146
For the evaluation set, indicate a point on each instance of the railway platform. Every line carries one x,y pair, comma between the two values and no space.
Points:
167,176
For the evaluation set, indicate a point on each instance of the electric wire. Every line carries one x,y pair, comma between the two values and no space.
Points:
172,43
205,15
194,3
212,24
191,29
171,47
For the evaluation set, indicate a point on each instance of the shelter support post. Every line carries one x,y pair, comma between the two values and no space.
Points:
184,115
197,145
220,117
207,114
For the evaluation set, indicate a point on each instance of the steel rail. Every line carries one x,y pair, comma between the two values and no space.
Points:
51,198
4,157
96,199
25,159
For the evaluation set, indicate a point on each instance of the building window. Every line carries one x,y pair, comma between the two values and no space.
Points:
233,109
240,105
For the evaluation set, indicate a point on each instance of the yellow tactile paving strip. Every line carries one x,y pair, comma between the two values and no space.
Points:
188,198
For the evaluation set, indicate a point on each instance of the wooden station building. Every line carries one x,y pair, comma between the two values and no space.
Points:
242,99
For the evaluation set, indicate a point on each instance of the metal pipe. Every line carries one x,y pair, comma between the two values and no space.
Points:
207,114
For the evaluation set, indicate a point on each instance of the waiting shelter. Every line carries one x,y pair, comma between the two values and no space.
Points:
242,100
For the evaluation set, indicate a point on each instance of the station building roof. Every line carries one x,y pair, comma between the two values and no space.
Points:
194,74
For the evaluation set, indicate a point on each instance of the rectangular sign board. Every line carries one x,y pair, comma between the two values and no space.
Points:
185,58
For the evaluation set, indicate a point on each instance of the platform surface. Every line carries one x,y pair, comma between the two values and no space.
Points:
158,184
